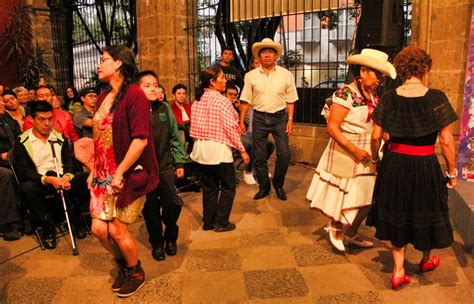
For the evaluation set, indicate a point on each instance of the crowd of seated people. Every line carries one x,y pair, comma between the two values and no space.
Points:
62,120
32,123
30,120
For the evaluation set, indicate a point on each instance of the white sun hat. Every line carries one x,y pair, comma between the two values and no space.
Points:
266,43
374,59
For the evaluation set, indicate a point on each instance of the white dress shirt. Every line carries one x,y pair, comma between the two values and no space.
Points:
269,93
43,155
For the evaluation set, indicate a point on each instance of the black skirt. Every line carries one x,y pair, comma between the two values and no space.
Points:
410,202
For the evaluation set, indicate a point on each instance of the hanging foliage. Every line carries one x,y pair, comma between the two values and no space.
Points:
18,40
18,35
34,66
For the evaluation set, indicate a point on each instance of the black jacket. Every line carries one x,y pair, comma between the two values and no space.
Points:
9,130
24,166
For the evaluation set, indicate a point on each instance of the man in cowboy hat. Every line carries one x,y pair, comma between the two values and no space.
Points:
271,90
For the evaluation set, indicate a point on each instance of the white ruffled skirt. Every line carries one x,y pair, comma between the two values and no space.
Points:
337,197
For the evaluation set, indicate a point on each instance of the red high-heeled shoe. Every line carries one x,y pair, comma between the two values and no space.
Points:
430,265
399,281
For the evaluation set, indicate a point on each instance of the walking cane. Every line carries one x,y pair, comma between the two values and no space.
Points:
61,192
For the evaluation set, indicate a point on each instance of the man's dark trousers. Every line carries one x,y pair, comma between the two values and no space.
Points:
77,197
162,206
248,145
264,124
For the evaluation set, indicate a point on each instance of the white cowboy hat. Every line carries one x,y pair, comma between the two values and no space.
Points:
374,59
266,43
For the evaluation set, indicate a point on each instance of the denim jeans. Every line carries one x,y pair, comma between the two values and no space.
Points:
248,144
264,124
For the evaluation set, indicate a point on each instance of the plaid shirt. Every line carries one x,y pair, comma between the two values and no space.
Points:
214,118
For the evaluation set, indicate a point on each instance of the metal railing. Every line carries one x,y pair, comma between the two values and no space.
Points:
317,36
81,28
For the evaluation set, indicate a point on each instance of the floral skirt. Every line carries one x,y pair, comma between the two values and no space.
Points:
103,207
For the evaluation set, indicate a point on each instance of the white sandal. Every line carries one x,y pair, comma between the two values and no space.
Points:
355,241
338,244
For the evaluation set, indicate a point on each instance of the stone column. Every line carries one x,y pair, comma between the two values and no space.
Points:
43,35
162,40
442,29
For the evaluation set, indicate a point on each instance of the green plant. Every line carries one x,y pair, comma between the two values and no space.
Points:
33,67
292,58
18,35
18,41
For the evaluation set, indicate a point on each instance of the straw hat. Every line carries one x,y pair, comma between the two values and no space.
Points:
266,43
374,59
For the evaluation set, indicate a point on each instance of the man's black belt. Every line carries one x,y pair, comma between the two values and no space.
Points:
271,114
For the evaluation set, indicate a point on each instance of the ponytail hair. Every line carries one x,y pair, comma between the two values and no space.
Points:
128,69
207,75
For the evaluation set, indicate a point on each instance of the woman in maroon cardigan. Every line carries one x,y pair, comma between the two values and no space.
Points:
125,166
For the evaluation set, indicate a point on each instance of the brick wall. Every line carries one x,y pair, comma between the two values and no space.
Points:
43,35
441,27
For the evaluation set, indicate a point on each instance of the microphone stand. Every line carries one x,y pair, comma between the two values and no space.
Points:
61,192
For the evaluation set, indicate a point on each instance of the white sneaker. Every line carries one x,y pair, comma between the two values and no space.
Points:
249,179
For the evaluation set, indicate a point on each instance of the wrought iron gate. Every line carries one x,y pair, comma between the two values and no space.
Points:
317,36
81,28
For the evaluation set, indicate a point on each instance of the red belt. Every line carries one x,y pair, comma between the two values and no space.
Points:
412,150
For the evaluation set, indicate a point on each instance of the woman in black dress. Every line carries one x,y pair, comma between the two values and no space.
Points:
410,200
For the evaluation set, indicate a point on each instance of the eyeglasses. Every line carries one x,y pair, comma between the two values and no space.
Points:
101,60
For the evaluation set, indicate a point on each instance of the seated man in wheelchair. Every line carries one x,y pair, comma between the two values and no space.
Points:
34,163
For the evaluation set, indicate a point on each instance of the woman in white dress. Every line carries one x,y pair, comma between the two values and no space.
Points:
344,179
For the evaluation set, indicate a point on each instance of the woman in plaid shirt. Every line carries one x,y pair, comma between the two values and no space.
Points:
215,130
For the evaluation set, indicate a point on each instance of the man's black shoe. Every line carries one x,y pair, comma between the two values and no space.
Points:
262,193
208,227
281,194
11,235
158,253
171,248
49,239
79,232
229,227
10,232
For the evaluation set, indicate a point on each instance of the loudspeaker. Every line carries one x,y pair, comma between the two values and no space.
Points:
380,25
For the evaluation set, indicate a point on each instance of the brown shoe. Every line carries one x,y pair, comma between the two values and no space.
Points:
133,281
121,265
